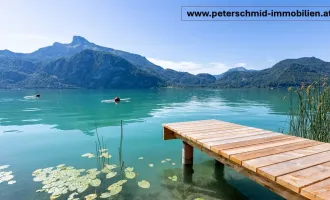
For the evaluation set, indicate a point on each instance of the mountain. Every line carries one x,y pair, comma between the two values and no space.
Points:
87,69
235,69
289,72
59,51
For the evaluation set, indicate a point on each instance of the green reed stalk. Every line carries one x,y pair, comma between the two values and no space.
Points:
310,113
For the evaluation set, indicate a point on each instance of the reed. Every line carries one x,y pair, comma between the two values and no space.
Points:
310,111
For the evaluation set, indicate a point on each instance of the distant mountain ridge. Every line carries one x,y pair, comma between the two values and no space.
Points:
289,72
235,69
58,51
82,64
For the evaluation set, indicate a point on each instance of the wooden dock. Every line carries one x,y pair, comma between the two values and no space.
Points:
293,167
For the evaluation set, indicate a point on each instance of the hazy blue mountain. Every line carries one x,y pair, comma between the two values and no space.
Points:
289,72
78,44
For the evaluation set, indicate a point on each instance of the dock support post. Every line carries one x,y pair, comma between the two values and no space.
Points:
219,170
187,154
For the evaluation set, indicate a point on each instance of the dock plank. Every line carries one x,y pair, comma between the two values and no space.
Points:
249,142
296,180
238,158
239,138
229,152
320,190
216,134
276,170
256,163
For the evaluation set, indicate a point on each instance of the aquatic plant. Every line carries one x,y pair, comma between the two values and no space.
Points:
62,179
310,112
6,176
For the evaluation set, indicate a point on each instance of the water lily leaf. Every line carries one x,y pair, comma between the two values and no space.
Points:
129,169
41,190
54,197
111,174
48,169
141,158
82,188
7,177
144,184
95,182
90,197
105,155
4,167
163,161
105,170
198,199
167,159
173,163
105,195
60,166
116,190
173,178
71,196
103,150
119,183
72,187
110,167
91,170
36,172
151,165
11,182
130,175
89,155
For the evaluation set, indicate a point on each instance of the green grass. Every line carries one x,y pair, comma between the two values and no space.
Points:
310,112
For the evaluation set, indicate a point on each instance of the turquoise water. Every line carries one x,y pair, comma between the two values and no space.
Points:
61,126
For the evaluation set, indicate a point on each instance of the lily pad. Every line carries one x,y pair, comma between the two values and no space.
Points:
151,165
110,167
60,166
105,195
173,163
36,172
90,197
111,174
54,197
129,169
130,175
95,182
91,170
144,184
82,188
167,159
163,161
105,170
115,190
141,158
173,178
4,167
105,155
89,155
11,182
103,150
198,199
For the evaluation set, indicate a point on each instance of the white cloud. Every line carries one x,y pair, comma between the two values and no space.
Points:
240,65
195,68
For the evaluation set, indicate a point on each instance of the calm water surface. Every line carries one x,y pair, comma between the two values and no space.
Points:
61,126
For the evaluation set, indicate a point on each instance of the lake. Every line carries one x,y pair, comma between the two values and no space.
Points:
63,125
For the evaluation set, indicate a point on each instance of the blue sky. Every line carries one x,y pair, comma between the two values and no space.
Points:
153,29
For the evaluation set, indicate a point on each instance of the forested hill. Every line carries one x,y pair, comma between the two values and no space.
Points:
286,73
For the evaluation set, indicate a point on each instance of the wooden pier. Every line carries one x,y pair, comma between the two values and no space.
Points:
292,167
